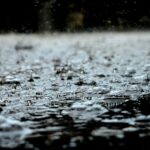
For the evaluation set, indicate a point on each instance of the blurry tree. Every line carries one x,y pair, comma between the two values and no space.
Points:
101,14
72,15
44,15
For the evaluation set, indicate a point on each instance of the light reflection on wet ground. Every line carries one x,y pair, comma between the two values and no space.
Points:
58,84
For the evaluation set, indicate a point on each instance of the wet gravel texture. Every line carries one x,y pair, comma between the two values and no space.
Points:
73,91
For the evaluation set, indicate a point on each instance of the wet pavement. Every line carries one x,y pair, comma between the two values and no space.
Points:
73,91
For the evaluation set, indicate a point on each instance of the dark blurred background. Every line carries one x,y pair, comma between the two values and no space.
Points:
73,15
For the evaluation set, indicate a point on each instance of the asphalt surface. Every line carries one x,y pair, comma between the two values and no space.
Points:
73,91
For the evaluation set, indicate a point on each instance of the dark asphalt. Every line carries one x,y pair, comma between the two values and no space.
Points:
72,91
